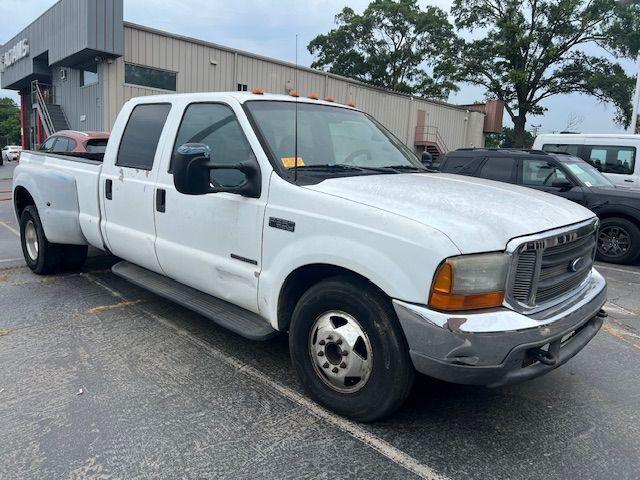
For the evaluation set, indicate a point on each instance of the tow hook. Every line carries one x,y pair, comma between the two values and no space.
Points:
543,356
602,314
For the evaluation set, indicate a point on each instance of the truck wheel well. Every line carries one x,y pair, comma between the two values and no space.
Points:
22,199
303,278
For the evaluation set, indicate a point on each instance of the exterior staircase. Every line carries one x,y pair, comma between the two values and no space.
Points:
51,114
58,119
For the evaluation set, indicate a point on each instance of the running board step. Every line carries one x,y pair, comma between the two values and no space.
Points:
232,317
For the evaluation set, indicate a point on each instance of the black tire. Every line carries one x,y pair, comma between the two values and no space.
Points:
392,373
73,257
626,236
49,255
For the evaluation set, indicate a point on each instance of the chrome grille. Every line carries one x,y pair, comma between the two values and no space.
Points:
547,268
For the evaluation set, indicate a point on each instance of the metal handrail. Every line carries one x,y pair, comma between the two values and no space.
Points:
431,134
42,108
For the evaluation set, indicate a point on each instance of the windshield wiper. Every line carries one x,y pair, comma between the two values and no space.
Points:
329,168
407,168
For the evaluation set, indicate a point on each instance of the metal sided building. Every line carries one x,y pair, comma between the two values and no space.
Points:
79,62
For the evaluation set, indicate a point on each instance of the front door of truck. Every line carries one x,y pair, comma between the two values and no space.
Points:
127,185
211,242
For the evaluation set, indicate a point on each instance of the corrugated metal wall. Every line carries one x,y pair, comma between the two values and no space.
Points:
66,29
77,101
204,67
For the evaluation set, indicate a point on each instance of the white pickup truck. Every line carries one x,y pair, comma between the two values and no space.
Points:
268,213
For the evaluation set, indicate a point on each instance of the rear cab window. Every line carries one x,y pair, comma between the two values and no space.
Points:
98,145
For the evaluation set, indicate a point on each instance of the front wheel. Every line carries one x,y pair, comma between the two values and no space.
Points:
618,241
348,349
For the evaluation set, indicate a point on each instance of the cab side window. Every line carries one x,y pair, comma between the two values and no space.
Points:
498,168
140,138
542,173
462,165
611,159
216,126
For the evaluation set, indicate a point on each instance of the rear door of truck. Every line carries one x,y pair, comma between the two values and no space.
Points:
127,184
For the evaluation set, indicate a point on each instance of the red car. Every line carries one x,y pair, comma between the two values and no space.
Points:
66,141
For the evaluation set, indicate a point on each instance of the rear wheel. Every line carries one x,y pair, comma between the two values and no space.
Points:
41,256
348,350
618,241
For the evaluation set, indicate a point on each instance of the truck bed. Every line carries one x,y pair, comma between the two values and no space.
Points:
68,187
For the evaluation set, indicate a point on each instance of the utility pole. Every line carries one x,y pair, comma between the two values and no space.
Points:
633,126
535,129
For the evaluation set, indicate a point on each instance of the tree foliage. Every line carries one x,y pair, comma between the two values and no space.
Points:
390,45
506,139
534,49
9,122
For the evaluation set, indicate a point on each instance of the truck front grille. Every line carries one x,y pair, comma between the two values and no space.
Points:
548,268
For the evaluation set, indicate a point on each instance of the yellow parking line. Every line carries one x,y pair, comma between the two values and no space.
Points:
620,334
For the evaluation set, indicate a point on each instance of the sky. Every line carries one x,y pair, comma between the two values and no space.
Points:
269,28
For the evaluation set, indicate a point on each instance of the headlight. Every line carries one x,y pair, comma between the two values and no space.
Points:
470,281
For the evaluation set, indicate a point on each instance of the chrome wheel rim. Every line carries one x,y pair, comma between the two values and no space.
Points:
31,240
341,351
613,241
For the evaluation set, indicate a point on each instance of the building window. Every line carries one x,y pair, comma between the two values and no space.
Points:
242,87
89,76
149,77
140,138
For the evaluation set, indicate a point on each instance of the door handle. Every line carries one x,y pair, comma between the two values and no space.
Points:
161,198
627,180
108,189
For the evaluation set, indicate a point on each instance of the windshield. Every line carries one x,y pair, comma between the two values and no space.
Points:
329,139
587,175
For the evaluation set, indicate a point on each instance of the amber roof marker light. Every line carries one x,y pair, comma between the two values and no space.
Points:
257,91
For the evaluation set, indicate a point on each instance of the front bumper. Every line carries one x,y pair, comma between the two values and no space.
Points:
501,347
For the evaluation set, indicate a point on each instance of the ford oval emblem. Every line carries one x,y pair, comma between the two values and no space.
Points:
576,264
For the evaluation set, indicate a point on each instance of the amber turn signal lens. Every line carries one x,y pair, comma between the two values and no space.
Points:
443,282
444,301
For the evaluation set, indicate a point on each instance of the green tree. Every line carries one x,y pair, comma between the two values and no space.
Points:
391,45
506,139
531,50
9,122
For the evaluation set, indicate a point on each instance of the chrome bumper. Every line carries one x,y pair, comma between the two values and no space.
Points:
499,347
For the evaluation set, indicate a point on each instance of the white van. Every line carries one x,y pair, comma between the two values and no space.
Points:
613,154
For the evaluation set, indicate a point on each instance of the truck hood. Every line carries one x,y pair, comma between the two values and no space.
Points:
476,214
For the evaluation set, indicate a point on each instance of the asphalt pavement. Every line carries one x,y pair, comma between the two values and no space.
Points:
100,379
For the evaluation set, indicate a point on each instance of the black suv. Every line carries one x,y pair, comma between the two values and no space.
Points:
566,176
